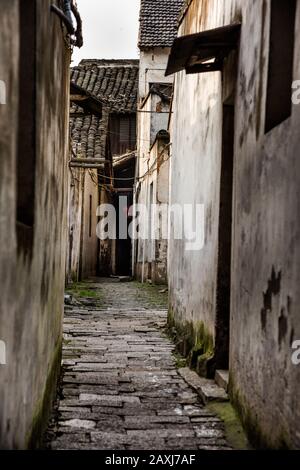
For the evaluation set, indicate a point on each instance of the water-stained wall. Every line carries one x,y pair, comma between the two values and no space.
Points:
90,242
32,268
265,268
152,246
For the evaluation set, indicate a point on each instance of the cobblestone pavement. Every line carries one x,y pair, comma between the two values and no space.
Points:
120,387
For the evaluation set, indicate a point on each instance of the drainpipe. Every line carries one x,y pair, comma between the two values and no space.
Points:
65,15
67,10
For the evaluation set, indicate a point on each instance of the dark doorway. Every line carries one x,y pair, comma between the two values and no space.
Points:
221,360
124,178
123,202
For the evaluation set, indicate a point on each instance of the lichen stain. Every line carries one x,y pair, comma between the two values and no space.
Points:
274,287
282,327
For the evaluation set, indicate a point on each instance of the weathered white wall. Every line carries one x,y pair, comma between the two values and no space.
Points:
90,242
76,178
196,148
83,247
151,260
32,289
264,382
151,257
159,117
153,64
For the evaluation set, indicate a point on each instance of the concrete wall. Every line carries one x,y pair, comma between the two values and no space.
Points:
265,271
32,288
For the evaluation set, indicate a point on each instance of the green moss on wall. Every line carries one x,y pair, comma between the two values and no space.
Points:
277,440
193,341
235,434
44,406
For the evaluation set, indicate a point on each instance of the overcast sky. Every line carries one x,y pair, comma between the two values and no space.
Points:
110,29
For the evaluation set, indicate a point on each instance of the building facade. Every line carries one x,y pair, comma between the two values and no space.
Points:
235,136
103,128
33,213
158,28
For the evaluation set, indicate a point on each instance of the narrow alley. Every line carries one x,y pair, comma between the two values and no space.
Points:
120,387
150,227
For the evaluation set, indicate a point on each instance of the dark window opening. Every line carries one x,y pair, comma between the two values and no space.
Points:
281,61
123,133
128,131
26,150
90,217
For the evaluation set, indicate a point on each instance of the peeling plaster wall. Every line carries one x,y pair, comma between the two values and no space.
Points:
90,242
83,245
151,256
31,302
76,178
266,255
107,248
153,64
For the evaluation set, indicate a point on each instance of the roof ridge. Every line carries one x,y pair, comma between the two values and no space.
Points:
107,62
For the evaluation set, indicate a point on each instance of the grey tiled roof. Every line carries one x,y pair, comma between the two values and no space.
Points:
158,22
115,83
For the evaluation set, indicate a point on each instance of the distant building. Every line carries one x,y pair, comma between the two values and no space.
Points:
96,141
158,29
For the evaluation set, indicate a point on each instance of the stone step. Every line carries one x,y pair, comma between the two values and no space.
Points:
222,379
207,389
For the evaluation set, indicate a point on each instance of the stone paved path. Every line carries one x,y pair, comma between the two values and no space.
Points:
120,386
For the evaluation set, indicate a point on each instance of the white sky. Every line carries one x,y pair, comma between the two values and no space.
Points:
110,29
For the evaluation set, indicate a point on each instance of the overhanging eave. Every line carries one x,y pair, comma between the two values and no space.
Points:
85,100
203,52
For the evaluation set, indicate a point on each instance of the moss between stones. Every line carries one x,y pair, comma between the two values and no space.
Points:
235,434
257,437
83,290
44,406
180,362
193,341
155,295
